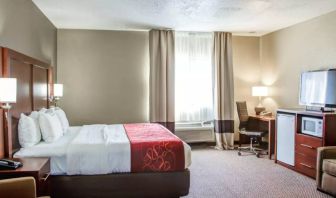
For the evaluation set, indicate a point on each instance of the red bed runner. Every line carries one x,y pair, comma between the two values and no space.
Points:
154,148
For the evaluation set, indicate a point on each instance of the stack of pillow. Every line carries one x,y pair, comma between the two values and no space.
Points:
47,124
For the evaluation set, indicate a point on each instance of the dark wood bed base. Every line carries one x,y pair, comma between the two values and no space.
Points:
35,86
137,185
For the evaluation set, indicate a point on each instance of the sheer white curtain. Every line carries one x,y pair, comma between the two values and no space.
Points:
193,77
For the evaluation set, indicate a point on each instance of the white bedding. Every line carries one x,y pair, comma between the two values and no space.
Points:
66,154
55,150
99,149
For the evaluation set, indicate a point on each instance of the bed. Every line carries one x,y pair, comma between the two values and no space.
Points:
35,80
59,150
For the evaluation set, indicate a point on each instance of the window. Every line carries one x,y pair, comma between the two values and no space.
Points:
193,77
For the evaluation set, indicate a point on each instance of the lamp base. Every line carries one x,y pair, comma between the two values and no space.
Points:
6,106
258,110
54,99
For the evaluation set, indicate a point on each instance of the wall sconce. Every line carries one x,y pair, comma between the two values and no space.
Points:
58,93
7,92
259,91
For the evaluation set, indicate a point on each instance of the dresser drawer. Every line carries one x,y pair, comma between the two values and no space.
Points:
307,145
305,164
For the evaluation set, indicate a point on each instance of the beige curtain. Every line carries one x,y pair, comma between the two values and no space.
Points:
162,60
224,98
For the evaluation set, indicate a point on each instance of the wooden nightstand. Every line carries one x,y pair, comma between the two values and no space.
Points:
39,168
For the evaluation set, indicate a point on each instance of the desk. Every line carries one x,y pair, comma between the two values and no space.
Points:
38,167
270,127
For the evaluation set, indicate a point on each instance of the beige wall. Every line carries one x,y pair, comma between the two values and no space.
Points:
246,64
105,75
288,52
24,28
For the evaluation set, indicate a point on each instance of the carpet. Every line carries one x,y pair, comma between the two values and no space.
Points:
216,173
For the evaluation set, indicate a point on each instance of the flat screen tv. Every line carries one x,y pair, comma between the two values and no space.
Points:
318,88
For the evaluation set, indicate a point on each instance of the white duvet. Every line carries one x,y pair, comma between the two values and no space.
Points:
99,149
88,150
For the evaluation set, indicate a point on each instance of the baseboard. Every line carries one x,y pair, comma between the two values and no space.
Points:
322,191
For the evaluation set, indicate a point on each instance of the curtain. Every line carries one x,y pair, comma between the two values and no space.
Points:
193,77
161,91
224,93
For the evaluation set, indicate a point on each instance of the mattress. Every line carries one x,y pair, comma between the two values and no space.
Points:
57,150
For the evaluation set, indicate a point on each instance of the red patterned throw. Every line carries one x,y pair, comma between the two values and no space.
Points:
154,148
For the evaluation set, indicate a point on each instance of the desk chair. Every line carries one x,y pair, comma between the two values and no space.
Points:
246,124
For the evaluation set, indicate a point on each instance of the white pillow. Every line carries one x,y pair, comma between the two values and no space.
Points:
63,119
35,115
51,127
29,135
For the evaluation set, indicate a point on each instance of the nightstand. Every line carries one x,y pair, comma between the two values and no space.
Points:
39,168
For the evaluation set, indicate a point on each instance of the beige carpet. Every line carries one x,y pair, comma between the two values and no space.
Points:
225,174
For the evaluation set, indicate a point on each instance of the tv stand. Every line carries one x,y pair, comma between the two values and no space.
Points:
305,146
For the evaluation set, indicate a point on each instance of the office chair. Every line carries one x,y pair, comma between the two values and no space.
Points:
246,128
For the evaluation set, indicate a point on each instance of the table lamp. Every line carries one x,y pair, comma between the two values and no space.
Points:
259,91
58,92
7,92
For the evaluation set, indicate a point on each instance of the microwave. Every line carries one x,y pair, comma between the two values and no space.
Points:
312,126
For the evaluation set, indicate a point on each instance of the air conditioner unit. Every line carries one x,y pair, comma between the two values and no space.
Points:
192,132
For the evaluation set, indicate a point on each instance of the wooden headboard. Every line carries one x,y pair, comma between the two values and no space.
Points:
34,88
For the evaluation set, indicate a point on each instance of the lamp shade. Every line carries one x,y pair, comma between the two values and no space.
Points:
8,90
58,90
259,91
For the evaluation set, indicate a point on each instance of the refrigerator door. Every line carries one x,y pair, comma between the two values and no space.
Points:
286,138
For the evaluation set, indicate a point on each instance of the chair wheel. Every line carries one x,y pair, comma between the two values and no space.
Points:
239,153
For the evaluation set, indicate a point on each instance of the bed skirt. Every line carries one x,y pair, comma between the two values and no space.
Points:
151,184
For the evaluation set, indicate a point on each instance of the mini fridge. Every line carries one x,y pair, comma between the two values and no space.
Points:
285,138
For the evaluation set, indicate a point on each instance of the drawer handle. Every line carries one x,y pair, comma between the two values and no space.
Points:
45,177
305,145
306,165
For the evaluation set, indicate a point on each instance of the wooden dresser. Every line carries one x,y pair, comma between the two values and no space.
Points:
305,154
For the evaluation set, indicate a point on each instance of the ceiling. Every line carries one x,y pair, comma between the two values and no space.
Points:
242,17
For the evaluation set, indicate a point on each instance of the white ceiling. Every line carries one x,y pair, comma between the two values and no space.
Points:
238,16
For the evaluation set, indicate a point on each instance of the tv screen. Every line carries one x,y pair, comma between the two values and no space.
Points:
317,88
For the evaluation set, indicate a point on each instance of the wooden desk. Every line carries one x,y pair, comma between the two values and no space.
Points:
270,122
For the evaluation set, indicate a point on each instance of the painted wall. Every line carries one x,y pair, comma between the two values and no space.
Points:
276,60
286,53
24,28
246,64
105,75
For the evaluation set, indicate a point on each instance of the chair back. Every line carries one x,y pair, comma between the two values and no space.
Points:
23,187
242,114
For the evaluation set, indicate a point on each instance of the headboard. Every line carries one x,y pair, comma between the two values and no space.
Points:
34,88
